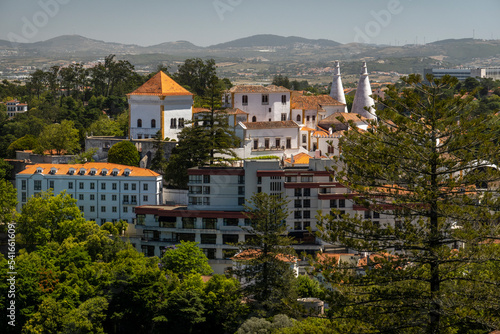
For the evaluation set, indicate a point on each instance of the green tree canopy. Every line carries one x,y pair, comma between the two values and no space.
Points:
60,138
427,164
124,153
266,256
186,258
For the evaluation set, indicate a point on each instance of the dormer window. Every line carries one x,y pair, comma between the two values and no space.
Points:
82,171
115,172
39,170
71,171
53,171
104,172
93,171
126,172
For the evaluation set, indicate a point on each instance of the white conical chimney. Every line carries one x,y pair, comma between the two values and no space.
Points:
363,97
337,91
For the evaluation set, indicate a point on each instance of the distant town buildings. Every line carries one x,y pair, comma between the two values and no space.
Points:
14,107
464,73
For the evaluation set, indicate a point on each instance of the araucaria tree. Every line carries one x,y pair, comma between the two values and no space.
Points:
429,163
266,256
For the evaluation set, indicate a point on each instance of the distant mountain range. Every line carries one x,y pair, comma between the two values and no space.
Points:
297,48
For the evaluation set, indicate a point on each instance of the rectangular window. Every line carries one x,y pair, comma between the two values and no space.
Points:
341,203
298,203
229,239
230,221
134,186
195,178
333,203
92,197
206,200
173,123
23,185
241,190
114,197
209,239
298,192
125,186
307,203
368,214
255,144
23,197
81,208
51,184
307,214
92,185
103,186
306,179
307,192
114,186
80,197
103,197
241,179
283,116
297,214
103,209
92,208
145,198
206,190
70,185
125,209
278,142
145,187
376,214
266,143
80,185
206,178
331,149
133,199
289,143
241,200
265,98
283,99
244,100
125,198
188,222
114,209
181,123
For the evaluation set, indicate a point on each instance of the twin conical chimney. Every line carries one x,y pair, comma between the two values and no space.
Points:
363,97
337,91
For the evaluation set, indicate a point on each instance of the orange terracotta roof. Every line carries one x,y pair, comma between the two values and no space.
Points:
270,125
250,254
305,128
299,159
161,85
198,110
313,102
63,169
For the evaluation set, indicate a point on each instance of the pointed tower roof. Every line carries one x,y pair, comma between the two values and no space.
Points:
337,91
161,85
362,98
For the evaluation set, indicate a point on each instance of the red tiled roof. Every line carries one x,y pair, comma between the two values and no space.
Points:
270,125
258,89
313,102
251,254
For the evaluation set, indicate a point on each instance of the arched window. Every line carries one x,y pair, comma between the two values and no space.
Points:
139,123
254,119
153,123
298,118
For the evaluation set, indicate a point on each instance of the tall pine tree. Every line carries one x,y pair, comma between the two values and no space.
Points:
430,163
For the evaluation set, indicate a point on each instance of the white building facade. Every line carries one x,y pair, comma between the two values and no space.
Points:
104,191
214,216
159,105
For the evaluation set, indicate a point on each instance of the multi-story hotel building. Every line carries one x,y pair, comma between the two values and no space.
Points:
104,191
215,215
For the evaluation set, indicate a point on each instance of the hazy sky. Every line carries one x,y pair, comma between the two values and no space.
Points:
207,22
